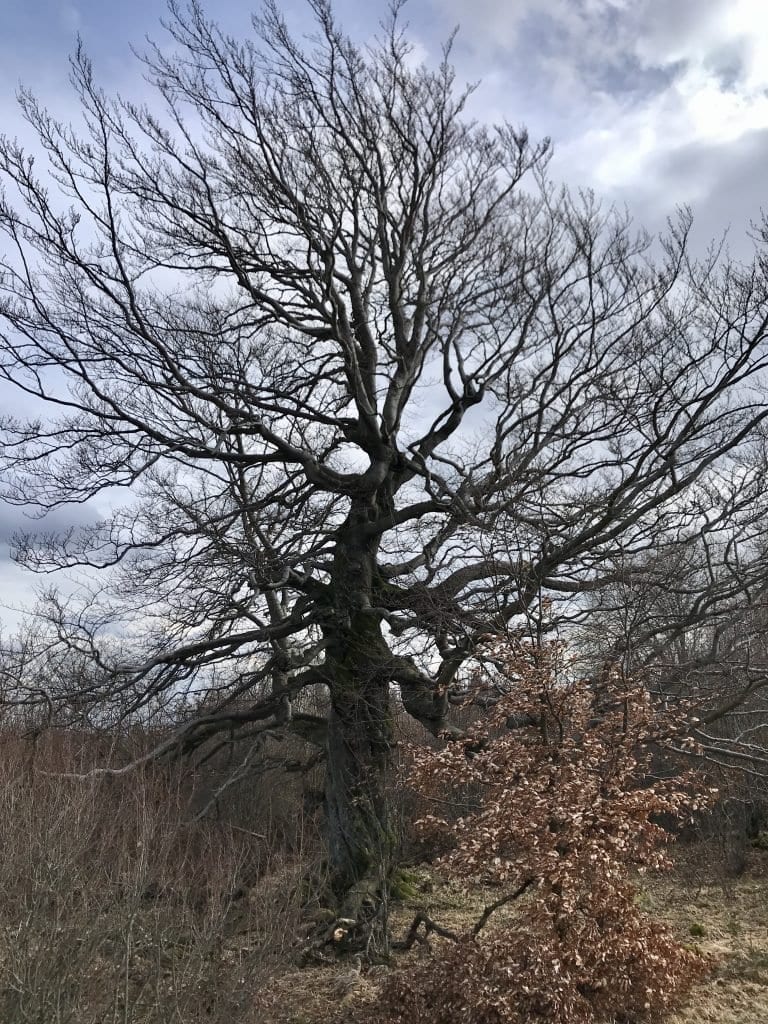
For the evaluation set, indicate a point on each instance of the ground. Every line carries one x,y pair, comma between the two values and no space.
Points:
725,917
729,919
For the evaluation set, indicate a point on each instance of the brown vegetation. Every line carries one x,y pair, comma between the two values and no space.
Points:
119,905
563,808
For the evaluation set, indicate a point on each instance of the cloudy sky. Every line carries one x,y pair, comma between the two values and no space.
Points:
649,102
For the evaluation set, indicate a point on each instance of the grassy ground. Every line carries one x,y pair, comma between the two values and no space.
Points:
727,918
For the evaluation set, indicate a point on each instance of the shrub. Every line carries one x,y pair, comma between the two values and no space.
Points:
566,809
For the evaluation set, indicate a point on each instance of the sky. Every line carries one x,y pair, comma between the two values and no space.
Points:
651,103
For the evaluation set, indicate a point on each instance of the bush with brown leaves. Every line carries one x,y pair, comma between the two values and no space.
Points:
567,810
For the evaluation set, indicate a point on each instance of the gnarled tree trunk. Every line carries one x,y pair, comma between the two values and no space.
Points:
358,663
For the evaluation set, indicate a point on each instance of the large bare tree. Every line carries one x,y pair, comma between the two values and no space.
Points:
378,389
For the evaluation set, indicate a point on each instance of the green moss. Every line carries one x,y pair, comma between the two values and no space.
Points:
643,900
698,931
404,886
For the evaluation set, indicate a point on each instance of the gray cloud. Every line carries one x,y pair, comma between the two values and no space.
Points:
731,189
19,586
15,519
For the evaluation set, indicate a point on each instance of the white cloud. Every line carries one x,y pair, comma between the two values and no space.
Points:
631,90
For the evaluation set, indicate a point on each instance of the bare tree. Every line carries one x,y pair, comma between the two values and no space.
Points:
377,387
690,618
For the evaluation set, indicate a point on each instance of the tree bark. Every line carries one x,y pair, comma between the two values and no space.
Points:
358,665
361,839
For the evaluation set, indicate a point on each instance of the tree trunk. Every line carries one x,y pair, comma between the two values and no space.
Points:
361,834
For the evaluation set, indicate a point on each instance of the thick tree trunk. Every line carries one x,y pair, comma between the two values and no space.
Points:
361,834
361,842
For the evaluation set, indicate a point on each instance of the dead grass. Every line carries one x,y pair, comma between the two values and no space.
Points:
727,918
118,905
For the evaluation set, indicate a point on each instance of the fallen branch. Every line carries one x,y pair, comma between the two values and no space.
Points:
430,927
503,901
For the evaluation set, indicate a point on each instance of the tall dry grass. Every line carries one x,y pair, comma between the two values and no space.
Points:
119,903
